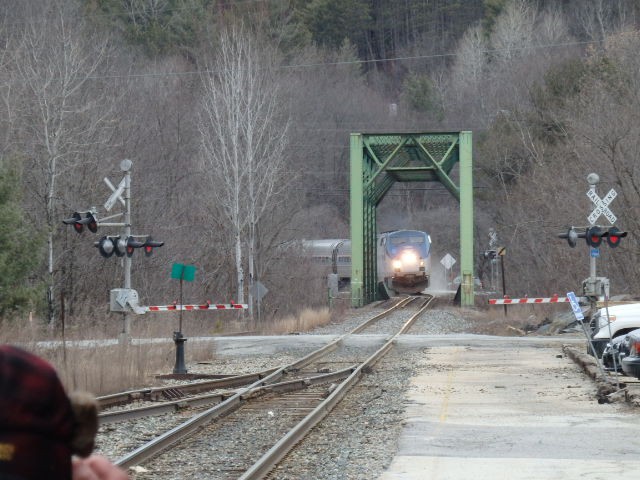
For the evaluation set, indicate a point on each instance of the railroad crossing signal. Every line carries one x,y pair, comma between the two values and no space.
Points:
602,206
90,220
121,246
594,235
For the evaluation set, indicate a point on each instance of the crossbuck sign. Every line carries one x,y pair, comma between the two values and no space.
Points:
602,206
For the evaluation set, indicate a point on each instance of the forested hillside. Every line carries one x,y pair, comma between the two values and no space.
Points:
236,115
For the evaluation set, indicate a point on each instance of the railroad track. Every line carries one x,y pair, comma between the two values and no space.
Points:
314,395
167,399
174,392
200,401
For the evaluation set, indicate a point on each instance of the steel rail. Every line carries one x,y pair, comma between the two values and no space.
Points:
202,400
331,346
174,435
156,393
401,304
232,403
270,459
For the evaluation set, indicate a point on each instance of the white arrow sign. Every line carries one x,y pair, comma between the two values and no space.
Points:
602,206
116,195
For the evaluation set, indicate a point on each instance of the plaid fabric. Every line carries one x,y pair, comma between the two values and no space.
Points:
36,419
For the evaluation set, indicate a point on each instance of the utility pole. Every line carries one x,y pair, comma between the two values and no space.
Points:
593,180
125,166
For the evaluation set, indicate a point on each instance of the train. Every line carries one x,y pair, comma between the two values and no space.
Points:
403,258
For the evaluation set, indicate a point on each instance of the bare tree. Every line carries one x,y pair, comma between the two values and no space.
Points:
605,133
469,72
514,30
599,18
61,115
243,128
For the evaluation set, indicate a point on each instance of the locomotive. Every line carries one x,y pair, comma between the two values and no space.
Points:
403,258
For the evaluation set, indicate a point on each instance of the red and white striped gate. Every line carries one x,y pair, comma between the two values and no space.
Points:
203,306
521,301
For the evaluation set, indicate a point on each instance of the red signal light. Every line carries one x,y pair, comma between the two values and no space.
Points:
614,236
78,222
150,244
594,236
132,244
92,223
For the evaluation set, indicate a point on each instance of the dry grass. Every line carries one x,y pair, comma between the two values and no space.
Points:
119,367
307,320
109,369
113,368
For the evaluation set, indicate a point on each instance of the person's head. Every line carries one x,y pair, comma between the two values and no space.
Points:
39,429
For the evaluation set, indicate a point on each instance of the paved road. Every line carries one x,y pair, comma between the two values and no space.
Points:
511,410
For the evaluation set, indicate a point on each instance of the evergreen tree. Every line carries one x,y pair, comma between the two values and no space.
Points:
159,27
20,247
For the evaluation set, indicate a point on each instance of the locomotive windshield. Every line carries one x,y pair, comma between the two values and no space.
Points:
402,240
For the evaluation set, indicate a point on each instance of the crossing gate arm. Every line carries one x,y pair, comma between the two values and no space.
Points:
206,306
554,299
533,300
527,300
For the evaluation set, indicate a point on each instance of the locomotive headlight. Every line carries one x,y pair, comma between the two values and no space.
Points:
409,257
397,264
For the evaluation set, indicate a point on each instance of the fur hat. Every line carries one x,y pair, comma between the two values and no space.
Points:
40,427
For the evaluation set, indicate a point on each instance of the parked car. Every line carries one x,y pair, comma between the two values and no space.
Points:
631,361
622,320
618,348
